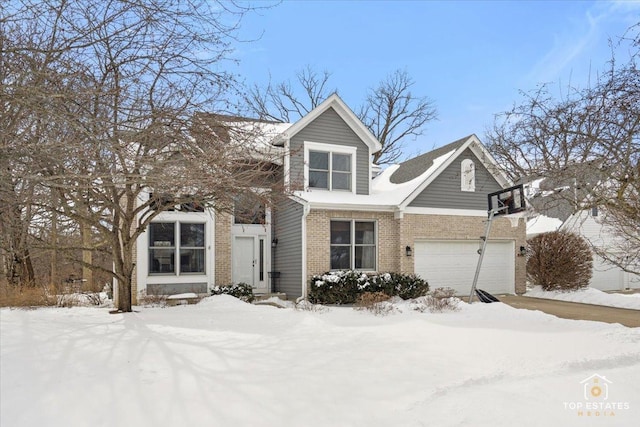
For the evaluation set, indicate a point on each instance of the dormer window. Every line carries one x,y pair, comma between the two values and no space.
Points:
468,175
329,167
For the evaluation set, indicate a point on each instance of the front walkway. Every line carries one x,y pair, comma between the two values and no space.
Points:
576,311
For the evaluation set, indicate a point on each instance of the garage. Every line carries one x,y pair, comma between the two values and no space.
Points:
452,263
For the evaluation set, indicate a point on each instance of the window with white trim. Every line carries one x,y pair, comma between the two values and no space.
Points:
468,175
176,248
353,245
330,167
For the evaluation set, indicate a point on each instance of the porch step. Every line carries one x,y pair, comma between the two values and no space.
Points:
263,297
182,299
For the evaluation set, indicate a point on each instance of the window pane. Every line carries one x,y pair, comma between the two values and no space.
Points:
340,232
340,257
161,261
192,261
365,258
318,179
340,181
249,209
261,267
191,235
365,233
162,234
341,162
318,160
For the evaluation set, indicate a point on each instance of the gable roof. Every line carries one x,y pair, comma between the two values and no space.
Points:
426,165
414,167
349,117
395,188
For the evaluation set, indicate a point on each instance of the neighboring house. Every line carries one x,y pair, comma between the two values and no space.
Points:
555,212
424,216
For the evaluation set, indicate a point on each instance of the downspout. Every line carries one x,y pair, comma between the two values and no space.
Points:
305,212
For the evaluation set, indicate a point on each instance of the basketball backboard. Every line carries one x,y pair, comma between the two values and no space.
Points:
508,201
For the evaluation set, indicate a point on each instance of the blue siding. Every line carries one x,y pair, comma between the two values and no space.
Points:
329,128
287,257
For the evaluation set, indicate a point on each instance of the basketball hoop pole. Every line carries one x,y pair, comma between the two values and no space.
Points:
482,250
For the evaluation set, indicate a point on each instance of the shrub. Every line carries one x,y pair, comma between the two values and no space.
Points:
559,261
442,299
344,287
151,300
241,291
376,302
409,286
26,296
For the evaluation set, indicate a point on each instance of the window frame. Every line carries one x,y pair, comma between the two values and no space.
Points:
352,245
330,149
177,248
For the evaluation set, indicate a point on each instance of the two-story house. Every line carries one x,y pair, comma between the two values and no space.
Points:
423,216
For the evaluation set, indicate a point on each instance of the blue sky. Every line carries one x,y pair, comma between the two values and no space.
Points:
470,57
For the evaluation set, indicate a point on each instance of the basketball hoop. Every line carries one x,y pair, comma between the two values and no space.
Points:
509,202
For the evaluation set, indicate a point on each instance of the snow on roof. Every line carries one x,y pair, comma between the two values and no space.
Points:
384,193
261,133
542,224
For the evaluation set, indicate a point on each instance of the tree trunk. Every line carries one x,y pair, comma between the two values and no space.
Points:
54,275
87,256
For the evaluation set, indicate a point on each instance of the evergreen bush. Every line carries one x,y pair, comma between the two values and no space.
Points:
344,287
241,291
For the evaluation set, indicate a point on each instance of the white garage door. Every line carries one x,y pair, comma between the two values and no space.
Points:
453,264
606,277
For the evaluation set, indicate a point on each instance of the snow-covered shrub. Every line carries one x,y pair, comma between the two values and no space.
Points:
241,291
81,299
408,286
559,261
344,287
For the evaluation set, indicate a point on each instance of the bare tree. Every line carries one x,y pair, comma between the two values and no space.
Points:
281,102
391,112
106,113
587,142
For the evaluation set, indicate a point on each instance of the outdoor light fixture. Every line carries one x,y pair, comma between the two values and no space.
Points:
523,250
408,250
274,243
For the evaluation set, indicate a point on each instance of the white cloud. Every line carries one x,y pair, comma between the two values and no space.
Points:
583,44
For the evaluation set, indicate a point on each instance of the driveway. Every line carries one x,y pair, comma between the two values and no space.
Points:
577,311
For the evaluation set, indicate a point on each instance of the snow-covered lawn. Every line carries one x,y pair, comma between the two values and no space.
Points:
226,363
590,296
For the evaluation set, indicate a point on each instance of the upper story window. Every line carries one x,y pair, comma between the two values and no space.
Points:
468,175
249,209
330,167
168,203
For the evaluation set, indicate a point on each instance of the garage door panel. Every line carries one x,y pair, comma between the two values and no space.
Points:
453,264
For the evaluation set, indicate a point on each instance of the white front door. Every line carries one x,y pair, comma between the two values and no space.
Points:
249,262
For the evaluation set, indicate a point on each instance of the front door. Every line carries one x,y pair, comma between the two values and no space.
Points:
249,262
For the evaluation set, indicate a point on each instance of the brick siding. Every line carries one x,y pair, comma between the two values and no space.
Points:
395,234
